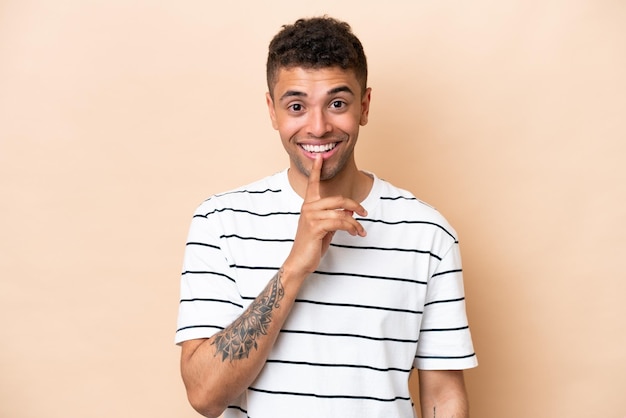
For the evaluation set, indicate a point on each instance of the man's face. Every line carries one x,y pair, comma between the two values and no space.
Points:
319,111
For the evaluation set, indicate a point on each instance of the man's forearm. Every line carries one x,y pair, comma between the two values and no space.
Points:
240,338
219,369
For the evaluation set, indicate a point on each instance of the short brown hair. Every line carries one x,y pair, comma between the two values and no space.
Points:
314,43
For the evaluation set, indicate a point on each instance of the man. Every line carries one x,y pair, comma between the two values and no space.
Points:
314,292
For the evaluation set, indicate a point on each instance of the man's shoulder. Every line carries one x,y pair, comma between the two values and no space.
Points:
266,188
388,192
403,206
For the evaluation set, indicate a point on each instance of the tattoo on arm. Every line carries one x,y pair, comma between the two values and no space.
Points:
237,340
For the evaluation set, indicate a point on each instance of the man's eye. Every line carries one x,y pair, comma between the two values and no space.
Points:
337,104
296,107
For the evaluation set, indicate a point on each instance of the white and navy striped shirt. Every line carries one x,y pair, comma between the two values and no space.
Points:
376,307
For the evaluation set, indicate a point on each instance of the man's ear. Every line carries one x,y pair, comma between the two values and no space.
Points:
365,106
270,108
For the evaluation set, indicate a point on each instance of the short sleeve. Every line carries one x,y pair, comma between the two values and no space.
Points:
209,297
445,341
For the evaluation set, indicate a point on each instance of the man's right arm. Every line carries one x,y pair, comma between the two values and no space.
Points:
218,369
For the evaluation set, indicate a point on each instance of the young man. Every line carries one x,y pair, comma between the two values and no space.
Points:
314,292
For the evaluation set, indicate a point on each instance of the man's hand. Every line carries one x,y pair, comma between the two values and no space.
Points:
319,220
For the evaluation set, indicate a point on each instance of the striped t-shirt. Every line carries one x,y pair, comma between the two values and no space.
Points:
376,307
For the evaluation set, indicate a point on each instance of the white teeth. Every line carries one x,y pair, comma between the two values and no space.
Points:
319,148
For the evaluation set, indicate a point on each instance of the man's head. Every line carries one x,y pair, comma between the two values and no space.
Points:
318,99
316,43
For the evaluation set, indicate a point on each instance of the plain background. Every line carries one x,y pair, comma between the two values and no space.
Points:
117,118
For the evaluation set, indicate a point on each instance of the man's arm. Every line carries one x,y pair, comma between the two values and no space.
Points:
443,394
218,369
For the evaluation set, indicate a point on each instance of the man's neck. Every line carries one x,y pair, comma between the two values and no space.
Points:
353,184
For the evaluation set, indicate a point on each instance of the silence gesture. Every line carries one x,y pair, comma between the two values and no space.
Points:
319,219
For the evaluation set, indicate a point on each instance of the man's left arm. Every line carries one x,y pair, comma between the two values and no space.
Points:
443,394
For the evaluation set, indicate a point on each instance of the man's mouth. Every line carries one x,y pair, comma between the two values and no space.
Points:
318,148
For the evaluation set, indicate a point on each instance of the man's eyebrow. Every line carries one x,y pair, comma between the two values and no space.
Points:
340,89
297,93
292,93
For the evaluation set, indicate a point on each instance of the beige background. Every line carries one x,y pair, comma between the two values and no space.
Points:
118,117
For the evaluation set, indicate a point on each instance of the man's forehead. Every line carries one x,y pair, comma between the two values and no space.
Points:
333,79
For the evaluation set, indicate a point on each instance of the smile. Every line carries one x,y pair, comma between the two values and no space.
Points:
318,148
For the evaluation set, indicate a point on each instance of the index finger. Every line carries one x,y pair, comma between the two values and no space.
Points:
313,186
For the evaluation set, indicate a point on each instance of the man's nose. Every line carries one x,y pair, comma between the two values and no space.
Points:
318,123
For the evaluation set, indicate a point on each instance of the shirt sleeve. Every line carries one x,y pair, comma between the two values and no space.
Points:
209,297
445,341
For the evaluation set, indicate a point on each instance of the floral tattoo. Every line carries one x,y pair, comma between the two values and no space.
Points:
237,340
